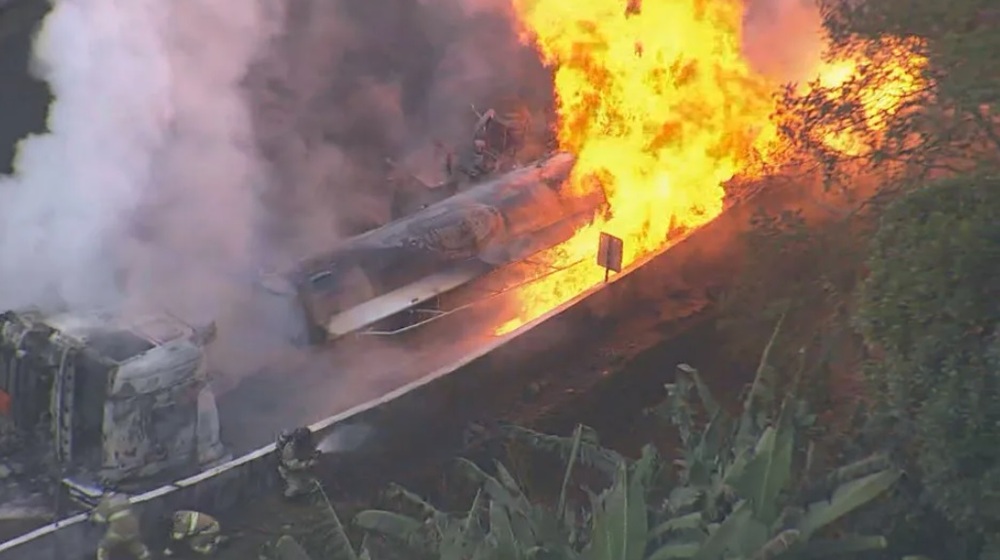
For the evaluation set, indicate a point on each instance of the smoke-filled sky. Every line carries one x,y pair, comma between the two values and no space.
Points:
190,145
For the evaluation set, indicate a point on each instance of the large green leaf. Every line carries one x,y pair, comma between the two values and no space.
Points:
777,545
691,521
390,524
471,525
769,471
397,492
568,474
759,396
675,551
620,524
845,499
712,408
683,498
588,453
726,535
502,536
496,490
336,539
828,548
287,548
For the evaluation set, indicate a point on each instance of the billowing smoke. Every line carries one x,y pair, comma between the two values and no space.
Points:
783,39
350,84
191,144
144,188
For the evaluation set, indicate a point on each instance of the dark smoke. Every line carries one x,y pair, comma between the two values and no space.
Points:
345,87
351,83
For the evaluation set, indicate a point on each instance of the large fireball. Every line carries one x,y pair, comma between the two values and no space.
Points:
659,105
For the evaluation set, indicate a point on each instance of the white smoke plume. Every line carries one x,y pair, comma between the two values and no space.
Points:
145,184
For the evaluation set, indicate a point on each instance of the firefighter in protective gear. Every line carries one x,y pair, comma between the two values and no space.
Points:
115,511
197,531
297,455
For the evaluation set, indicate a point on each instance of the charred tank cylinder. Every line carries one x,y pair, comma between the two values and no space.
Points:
502,220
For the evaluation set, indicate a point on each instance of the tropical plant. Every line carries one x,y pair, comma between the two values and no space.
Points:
929,312
733,495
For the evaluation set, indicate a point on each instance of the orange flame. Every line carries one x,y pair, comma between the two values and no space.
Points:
897,81
660,106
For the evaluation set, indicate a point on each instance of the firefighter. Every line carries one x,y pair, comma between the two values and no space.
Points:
115,511
297,455
196,531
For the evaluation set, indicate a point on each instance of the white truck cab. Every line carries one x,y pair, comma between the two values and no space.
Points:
118,401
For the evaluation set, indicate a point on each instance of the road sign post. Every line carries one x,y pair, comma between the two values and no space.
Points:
609,254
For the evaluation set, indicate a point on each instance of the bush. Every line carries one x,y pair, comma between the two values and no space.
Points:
731,493
929,312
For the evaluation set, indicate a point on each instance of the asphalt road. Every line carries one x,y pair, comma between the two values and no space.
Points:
614,373
300,387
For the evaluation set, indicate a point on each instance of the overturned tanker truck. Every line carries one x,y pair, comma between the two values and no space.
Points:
107,401
394,278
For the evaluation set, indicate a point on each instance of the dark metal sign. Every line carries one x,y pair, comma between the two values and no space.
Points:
610,253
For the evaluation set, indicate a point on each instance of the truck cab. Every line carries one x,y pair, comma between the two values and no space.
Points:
113,401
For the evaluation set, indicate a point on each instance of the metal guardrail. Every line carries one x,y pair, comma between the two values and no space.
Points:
224,485
448,388
253,474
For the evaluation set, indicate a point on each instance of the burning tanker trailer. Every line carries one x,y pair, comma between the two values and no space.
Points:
399,276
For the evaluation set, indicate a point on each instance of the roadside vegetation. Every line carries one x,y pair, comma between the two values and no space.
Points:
872,428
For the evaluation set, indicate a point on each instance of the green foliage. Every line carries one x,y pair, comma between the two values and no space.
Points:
948,125
287,548
930,309
962,36
733,496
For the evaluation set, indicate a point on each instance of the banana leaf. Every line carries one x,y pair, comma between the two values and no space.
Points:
397,492
644,469
507,496
691,521
752,537
505,543
712,408
675,551
460,539
470,525
568,474
287,548
725,536
397,526
845,499
827,548
714,438
683,498
336,541
504,489
588,453
620,524
459,543
777,546
759,396
769,471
